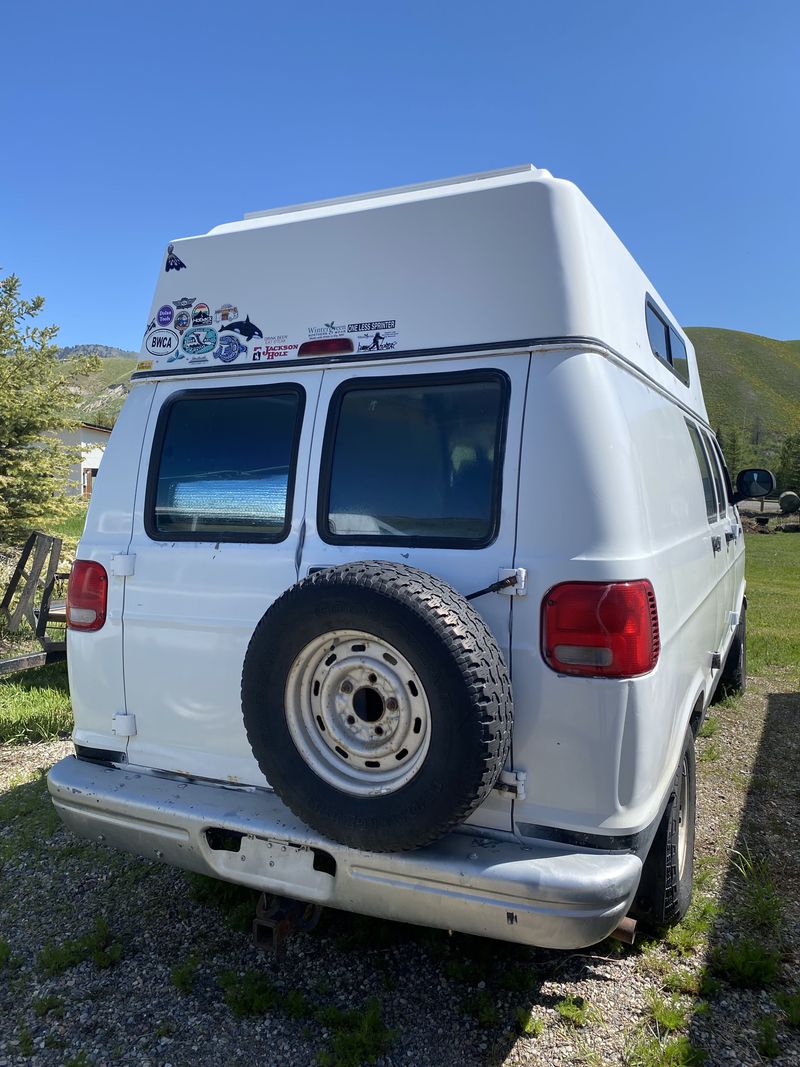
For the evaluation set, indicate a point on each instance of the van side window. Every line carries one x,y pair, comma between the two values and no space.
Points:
223,465
666,343
725,472
414,460
721,501
705,472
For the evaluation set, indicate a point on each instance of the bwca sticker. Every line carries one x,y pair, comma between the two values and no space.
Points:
162,342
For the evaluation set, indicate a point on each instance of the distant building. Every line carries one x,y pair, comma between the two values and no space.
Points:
92,441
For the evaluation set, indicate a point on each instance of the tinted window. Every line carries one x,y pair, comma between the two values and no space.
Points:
678,357
657,332
721,503
705,472
225,466
415,461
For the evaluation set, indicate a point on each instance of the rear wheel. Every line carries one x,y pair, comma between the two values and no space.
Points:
665,891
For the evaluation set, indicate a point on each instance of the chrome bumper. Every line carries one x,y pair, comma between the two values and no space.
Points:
495,888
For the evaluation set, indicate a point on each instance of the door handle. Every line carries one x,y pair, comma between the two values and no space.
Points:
716,544
729,536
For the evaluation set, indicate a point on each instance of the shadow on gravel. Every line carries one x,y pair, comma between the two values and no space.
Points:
752,963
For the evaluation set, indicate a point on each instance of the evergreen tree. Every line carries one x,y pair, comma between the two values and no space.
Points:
36,400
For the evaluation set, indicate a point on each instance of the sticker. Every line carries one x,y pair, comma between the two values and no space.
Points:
225,313
199,359
144,364
174,356
198,340
328,329
150,326
184,302
271,351
230,348
162,342
165,315
173,263
182,321
246,329
377,342
371,327
201,316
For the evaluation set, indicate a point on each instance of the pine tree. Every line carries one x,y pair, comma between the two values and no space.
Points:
37,399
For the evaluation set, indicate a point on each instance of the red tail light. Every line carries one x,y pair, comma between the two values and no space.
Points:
87,595
329,346
601,630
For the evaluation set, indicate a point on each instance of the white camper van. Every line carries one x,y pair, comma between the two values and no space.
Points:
411,569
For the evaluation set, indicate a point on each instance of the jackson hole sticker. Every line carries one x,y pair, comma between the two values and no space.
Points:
173,263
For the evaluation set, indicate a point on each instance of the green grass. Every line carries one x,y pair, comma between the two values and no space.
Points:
70,528
251,993
358,1037
746,964
668,1015
650,1051
183,975
773,602
767,1037
575,1011
35,705
98,946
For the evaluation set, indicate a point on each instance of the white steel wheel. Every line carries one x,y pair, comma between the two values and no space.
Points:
357,713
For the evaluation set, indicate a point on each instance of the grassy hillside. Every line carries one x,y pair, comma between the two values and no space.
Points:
752,387
100,395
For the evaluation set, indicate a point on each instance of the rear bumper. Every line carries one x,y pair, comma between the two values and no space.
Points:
551,897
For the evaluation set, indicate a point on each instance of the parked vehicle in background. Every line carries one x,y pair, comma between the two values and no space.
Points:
453,439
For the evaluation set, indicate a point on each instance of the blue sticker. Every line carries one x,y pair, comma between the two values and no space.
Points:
198,340
246,329
182,321
173,263
230,348
184,302
165,315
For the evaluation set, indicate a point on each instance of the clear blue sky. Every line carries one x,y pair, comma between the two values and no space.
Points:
127,125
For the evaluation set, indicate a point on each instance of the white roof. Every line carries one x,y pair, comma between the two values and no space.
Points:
508,259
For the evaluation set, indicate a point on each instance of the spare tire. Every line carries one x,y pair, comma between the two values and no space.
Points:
377,705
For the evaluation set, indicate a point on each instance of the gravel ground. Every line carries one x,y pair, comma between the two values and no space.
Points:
448,1000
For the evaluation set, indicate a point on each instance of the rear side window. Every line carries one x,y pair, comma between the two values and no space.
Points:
223,465
715,470
707,477
666,343
415,461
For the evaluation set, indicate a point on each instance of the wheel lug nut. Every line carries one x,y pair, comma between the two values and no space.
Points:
391,704
347,686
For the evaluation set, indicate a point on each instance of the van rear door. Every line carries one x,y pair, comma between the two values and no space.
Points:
216,535
420,465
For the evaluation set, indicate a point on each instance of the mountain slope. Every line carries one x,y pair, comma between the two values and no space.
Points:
100,395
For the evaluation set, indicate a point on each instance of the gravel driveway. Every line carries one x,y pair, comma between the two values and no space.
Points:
163,981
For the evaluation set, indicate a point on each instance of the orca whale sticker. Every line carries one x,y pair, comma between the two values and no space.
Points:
247,329
230,348
198,340
173,263
162,342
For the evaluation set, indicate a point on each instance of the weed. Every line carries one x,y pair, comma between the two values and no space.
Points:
688,934
98,946
79,1060
52,1041
7,960
25,1042
237,901
710,727
517,979
295,1005
668,1015
760,904
767,1037
251,993
710,753
527,1023
359,1037
747,964
480,1005
682,981
463,970
789,1003
49,1006
649,1051
165,1028
183,975
574,1010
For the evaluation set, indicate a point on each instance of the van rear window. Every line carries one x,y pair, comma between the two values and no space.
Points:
415,461
223,466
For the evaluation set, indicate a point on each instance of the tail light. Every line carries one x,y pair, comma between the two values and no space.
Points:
602,630
87,596
329,346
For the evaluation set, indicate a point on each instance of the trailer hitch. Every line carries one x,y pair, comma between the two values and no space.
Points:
277,918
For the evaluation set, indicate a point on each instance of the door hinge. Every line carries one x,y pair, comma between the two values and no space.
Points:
716,661
733,619
519,587
123,725
512,783
122,564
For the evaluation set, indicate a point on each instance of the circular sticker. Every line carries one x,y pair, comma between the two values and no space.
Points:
182,321
198,340
201,316
164,316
